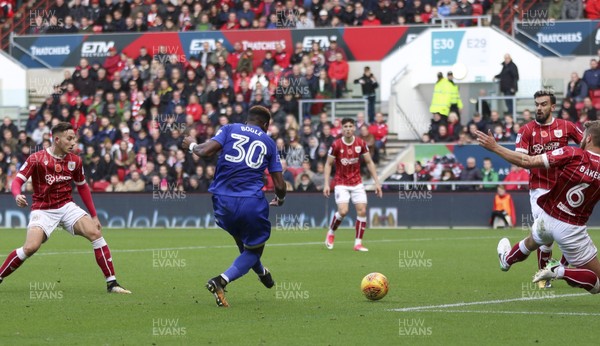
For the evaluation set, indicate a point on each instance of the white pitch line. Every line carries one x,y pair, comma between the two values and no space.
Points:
486,302
516,312
41,253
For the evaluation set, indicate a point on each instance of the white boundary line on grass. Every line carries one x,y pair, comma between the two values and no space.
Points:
517,312
42,253
438,308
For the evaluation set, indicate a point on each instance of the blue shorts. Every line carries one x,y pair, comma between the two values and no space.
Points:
245,218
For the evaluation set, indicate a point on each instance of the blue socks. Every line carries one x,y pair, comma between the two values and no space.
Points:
258,267
246,260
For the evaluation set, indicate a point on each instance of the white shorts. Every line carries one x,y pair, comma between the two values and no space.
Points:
343,194
533,197
48,219
574,241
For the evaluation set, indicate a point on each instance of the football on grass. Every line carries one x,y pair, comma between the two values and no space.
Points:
374,286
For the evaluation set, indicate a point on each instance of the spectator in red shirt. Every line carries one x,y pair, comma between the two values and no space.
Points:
338,73
257,6
379,130
232,22
6,9
239,79
281,56
371,20
517,174
194,108
72,94
111,64
592,9
336,130
77,120
234,57
427,13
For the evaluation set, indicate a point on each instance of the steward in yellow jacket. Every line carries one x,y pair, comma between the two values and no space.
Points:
442,96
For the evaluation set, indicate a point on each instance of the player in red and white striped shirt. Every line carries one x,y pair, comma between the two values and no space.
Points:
51,172
565,209
346,152
543,135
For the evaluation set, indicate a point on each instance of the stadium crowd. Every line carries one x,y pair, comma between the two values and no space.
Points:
131,112
95,16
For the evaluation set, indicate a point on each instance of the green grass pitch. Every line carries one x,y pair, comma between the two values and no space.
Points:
445,288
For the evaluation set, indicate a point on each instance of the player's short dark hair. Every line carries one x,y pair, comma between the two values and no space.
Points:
593,130
61,127
549,93
259,114
348,120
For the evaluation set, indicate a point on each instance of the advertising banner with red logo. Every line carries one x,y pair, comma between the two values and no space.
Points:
359,44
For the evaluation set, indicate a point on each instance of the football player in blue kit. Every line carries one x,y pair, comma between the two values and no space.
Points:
239,203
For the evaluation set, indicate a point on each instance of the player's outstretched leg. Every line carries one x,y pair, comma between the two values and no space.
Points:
241,265
360,225
335,223
264,275
87,228
576,277
508,256
35,238
544,254
12,262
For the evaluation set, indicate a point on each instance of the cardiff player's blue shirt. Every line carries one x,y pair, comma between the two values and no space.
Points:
247,152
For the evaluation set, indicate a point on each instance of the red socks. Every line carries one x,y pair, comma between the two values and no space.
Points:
12,262
544,254
360,225
335,223
104,259
518,253
583,278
